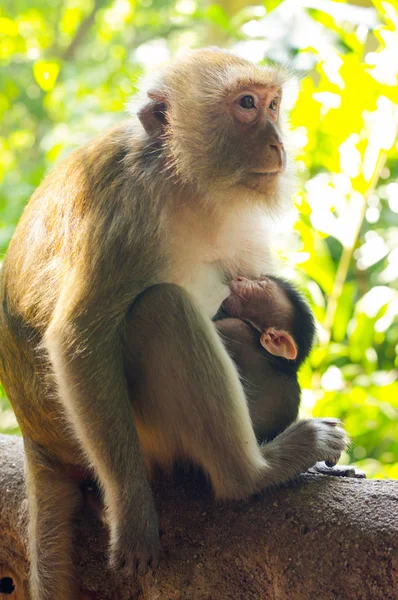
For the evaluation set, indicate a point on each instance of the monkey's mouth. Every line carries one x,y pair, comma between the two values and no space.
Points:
264,182
270,174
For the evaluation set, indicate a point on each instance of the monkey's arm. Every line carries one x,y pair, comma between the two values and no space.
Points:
83,342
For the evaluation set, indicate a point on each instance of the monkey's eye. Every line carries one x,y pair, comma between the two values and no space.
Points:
274,104
247,102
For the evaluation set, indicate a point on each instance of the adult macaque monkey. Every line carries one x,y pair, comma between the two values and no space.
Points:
172,197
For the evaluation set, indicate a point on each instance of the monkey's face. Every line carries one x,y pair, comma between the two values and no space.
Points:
259,146
218,119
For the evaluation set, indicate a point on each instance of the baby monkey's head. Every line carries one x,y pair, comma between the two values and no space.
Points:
278,311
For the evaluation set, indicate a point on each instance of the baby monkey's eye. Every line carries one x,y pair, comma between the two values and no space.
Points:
274,104
247,102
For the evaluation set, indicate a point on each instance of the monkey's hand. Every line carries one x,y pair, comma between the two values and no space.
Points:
134,543
303,444
330,439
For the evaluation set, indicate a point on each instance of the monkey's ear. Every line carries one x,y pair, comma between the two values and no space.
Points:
153,115
279,343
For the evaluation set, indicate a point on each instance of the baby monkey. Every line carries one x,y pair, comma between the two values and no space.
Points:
268,330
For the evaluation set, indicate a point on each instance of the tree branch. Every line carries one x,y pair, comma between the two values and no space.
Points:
82,30
320,538
346,257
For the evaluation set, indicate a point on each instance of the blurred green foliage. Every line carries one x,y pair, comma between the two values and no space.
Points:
68,67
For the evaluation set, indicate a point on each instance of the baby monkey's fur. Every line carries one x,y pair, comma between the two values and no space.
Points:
177,197
268,329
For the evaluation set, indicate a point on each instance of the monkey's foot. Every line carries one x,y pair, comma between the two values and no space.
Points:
336,471
132,562
135,550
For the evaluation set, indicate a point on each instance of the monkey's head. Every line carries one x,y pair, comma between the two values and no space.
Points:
216,118
277,311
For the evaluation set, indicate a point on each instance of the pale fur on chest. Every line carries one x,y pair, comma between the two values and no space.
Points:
208,252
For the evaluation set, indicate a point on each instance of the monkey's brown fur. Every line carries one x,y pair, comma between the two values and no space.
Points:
180,199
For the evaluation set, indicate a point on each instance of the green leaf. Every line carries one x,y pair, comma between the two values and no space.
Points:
46,73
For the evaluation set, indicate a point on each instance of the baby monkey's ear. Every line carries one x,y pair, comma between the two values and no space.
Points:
279,343
153,114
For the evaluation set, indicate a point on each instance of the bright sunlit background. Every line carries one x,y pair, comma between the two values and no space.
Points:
67,69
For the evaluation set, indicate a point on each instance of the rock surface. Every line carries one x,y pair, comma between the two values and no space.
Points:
318,538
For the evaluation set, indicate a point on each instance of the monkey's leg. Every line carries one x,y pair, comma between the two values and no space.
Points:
52,499
187,397
84,346
188,401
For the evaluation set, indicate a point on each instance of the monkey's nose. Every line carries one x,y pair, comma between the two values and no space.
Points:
277,146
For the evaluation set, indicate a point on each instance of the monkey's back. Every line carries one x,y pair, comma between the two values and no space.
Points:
30,283
46,246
